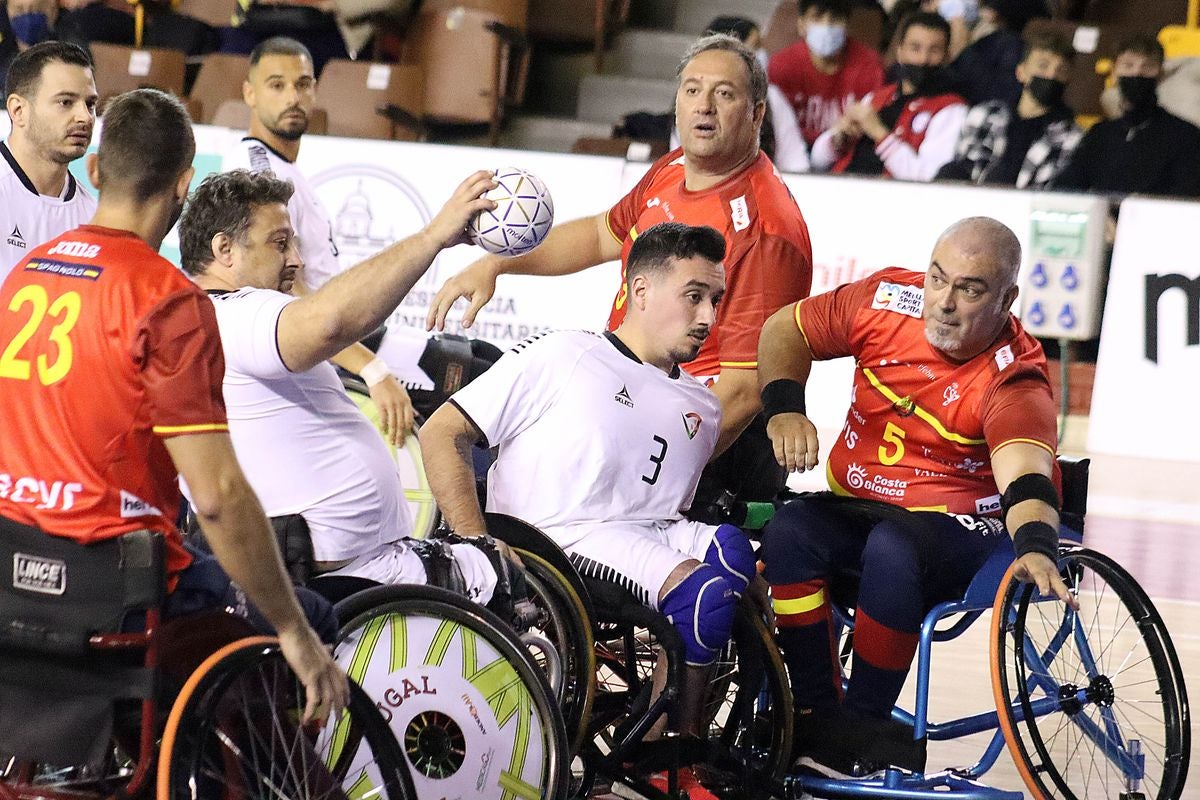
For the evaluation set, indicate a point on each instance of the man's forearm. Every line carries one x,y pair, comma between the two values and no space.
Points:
571,247
451,476
737,391
783,351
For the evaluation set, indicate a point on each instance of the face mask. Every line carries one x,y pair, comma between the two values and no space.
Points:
1046,91
825,40
1141,94
31,28
921,76
968,10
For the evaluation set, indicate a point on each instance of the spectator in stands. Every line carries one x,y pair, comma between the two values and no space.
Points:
51,102
24,23
311,22
1028,142
101,22
1147,149
825,72
984,69
906,130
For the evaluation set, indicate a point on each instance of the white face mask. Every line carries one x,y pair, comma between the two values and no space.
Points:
825,40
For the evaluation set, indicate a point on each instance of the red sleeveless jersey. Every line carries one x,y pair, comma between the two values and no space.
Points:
921,429
105,349
768,257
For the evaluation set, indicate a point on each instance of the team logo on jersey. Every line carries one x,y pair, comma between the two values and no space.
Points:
39,574
691,424
16,239
740,213
134,506
950,394
1004,357
623,397
66,270
905,406
906,300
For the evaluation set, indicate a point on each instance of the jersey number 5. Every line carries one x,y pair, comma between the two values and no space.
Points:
64,313
657,460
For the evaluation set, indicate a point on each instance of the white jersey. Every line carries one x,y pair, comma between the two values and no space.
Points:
28,219
589,435
314,230
304,446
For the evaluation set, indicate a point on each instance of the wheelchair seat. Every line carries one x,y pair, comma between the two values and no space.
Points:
64,664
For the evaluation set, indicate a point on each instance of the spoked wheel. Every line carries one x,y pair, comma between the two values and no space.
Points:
564,622
473,713
749,709
235,732
1092,703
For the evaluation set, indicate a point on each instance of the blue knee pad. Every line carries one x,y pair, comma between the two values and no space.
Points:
701,609
732,555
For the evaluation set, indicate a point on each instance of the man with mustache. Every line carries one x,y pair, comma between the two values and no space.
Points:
905,130
1147,149
951,417
601,441
281,92
51,101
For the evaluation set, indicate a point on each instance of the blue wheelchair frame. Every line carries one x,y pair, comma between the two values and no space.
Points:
980,596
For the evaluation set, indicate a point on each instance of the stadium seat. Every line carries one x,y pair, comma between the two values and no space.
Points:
122,69
472,62
577,22
220,79
371,101
218,13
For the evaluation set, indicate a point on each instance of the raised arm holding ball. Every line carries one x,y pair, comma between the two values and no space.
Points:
718,178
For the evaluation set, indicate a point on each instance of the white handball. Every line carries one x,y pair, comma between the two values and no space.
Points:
523,216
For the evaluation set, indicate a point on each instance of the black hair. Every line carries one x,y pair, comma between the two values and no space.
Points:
25,71
224,203
655,249
145,145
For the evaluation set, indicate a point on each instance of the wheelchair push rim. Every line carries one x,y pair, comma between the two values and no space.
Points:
235,732
1092,703
474,716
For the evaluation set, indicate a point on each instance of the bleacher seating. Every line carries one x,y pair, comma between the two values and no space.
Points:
121,69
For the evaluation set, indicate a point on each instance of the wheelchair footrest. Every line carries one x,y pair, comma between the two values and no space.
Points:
669,753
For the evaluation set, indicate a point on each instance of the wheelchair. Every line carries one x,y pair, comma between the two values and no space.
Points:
748,708
88,668
1089,703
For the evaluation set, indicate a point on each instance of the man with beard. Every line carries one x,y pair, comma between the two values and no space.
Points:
281,92
1147,149
1027,143
951,417
51,101
906,130
612,492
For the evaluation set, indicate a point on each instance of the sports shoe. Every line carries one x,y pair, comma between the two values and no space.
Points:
688,782
836,743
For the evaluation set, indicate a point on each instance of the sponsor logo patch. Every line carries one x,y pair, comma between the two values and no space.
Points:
740,213
134,506
987,505
39,574
906,300
623,397
16,239
1004,357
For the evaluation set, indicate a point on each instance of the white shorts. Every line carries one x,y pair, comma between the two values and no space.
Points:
396,563
641,557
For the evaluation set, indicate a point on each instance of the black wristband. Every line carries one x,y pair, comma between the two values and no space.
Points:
783,396
1030,486
1036,537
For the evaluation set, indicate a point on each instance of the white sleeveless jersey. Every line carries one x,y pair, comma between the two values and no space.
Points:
28,219
314,230
588,434
303,444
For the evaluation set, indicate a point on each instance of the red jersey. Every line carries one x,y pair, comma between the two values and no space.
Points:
105,349
768,257
910,128
921,429
820,99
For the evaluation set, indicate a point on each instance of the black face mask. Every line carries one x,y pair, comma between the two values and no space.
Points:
921,76
1140,93
1046,91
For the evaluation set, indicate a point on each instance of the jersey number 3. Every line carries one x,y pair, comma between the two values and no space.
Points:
656,460
63,313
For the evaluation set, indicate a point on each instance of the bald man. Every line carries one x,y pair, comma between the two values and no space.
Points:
951,417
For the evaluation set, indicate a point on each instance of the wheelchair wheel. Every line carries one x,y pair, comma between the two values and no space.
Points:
421,505
234,732
474,715
1092,703
749,707
566,625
